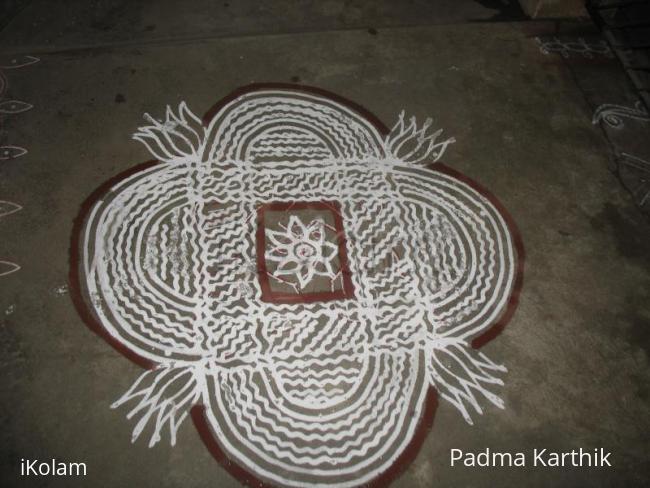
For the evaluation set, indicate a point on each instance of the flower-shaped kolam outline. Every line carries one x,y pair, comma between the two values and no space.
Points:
198,413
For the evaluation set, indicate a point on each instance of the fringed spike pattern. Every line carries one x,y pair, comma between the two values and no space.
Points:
179,137
462,375
408,143
165,396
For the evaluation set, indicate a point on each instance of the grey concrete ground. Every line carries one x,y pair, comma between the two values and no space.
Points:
578,347
70,23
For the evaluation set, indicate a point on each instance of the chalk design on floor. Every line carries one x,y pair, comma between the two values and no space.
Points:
7,267
8,208
578,46
613,114
13,107
301,252
9,151
635,175
320,381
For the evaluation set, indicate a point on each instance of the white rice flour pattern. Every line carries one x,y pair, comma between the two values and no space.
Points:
613,114
8,208
565,47
11,107
301,251
304,277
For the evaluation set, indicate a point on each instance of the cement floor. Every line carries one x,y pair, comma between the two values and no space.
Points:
577,348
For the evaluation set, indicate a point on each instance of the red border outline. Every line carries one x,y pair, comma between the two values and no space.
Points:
268,295
497,327
198,411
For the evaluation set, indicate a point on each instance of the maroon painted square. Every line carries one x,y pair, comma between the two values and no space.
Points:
301,253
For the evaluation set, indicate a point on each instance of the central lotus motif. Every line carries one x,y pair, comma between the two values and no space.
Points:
293,267
301,251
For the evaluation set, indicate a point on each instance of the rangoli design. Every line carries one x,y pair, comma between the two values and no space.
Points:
302,281
613,114
587,49
10,107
